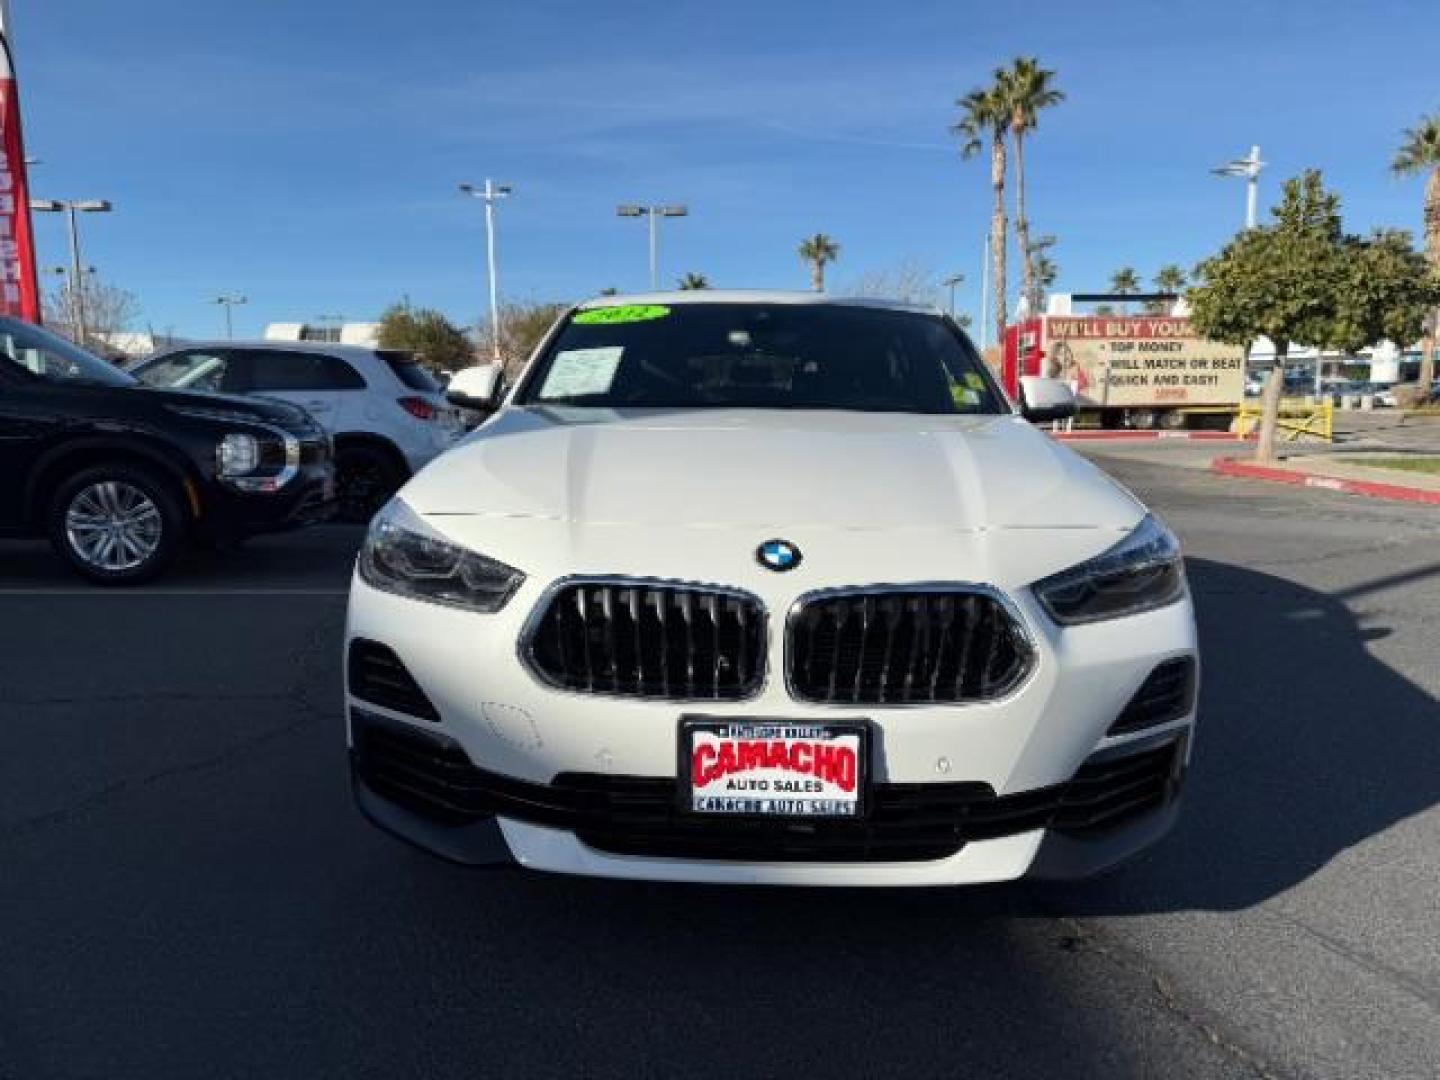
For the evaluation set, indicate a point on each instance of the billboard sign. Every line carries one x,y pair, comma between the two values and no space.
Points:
1142,360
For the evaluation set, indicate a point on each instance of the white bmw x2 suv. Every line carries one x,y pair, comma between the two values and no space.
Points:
753,587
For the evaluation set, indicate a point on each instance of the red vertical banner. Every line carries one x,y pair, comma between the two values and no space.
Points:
19,292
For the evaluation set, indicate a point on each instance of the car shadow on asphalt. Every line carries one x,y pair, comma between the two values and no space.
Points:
1307,746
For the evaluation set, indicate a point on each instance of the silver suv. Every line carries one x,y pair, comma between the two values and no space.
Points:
387,414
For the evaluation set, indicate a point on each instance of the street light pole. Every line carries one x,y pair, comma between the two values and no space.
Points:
952,281
70,207
654,213
228,302
491,193
1247,169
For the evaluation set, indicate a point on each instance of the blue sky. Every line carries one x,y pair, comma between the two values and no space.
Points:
305,152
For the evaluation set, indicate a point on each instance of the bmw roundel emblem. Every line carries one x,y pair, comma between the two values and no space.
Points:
778,555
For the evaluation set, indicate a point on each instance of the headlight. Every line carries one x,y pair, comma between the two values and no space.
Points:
405,556
1141,573
237,454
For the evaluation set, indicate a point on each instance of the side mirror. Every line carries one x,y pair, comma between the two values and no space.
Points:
1044,399
475,388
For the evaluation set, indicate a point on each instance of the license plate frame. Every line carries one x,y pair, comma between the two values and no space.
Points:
858,728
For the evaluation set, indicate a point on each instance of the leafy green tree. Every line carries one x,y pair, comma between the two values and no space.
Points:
692,281
436,342
1420,153
986,113
1389,291
818,250
1027,88
1301,279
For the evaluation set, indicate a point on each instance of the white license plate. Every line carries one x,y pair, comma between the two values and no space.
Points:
773,768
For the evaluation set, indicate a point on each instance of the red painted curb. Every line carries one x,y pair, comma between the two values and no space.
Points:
1371,488
1124,436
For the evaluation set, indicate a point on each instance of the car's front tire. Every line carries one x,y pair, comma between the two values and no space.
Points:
116,524
365,479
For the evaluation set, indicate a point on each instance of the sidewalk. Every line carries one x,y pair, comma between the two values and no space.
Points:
1324,471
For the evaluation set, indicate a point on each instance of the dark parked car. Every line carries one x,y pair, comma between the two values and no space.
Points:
121,477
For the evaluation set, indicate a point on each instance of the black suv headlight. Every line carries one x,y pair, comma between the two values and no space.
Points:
405,556
260,460
1141,573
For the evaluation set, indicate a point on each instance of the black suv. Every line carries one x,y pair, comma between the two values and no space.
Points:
121,477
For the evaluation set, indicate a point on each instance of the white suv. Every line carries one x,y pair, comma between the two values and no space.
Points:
769,587
387,415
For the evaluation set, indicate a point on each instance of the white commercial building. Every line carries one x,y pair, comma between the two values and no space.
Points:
365,334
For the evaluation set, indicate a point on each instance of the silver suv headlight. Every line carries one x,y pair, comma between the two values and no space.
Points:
405,556
1141,573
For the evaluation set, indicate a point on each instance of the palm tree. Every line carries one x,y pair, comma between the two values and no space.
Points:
818,250
1124,282
1034,256
1420,152
1044,274
693,280
986,113
1168,279
1027,88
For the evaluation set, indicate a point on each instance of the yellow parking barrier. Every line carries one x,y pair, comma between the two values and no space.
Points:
1299,418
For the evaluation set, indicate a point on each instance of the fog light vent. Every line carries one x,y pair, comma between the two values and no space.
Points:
376,675
1168,693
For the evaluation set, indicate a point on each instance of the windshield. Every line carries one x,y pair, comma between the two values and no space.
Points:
54,359
762,356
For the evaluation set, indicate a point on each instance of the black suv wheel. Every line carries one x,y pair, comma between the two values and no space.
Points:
118,524
365,478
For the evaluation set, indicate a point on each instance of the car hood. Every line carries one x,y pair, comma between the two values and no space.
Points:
770,471
268,410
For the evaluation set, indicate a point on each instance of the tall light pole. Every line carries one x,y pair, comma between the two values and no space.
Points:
71,207
950,283
1247,169
654,213
229,302
491,193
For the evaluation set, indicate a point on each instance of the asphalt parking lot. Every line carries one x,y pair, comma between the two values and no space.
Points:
185,889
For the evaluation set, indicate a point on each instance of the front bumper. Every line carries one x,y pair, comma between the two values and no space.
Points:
308,499
512,769
422,787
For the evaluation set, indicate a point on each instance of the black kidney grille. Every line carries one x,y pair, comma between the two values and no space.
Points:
651,640
905,647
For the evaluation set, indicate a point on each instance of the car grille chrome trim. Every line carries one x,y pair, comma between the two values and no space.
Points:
929,643
649,638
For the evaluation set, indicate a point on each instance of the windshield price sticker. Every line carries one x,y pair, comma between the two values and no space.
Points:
775,769
624,313
579,372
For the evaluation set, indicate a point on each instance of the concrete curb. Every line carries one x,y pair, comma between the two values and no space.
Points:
1145,436
1231,467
